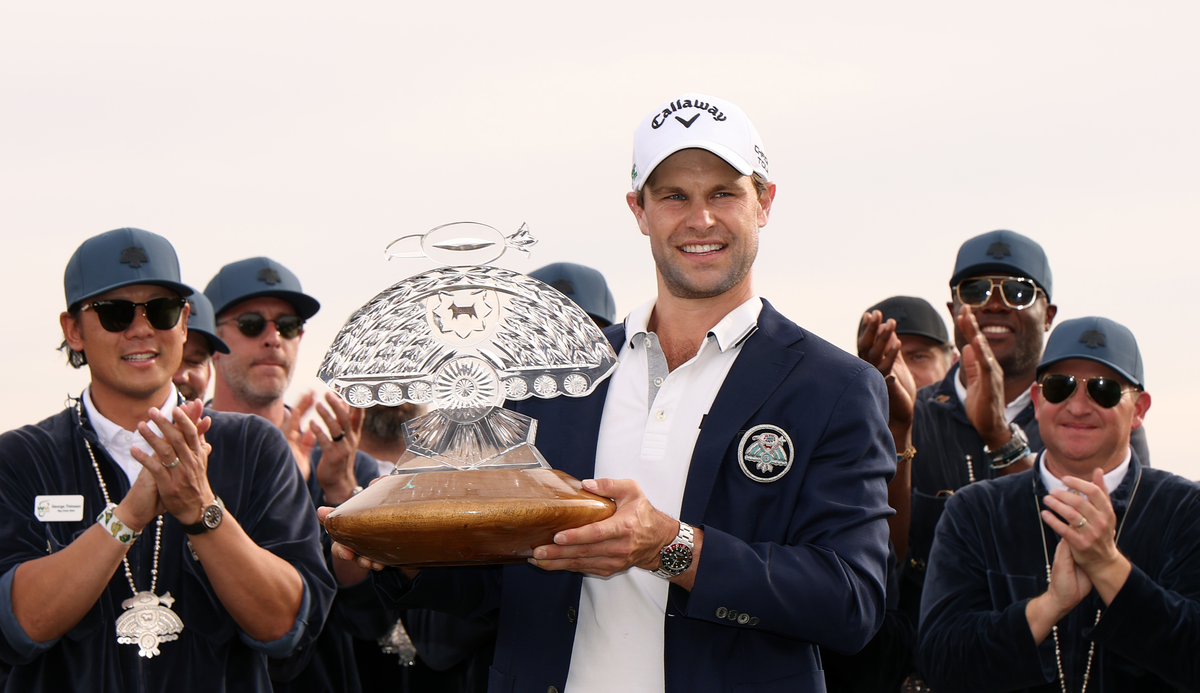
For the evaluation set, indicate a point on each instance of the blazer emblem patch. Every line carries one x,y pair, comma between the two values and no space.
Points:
765,453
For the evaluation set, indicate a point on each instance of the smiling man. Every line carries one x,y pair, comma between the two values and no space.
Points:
146,544
748,458
1081,573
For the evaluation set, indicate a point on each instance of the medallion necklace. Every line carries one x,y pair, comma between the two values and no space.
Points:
151,621
1087,672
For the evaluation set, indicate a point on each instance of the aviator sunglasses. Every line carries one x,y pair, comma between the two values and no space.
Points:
117,315
1017,293
253,324
1106,392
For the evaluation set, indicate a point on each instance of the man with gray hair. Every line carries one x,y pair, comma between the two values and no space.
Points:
261,309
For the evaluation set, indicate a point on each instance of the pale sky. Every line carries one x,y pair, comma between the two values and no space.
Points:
315,134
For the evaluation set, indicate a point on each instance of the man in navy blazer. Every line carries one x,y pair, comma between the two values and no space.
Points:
751,527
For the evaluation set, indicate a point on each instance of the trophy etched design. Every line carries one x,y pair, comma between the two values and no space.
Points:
471,487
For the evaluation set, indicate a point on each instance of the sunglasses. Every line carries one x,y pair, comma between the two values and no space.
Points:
1017,293
253,324
118,314
1106,392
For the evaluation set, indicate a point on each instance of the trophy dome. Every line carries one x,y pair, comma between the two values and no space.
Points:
466,338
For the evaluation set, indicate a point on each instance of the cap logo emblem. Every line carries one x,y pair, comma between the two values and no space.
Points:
688,123
269,276
134,256
765,453
999,250
1093,339
762,158
661,119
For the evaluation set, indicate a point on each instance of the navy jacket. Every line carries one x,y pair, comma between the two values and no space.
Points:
988,561
786,566
250,468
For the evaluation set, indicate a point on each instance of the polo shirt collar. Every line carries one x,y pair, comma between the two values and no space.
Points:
106,430
1112,479
729,333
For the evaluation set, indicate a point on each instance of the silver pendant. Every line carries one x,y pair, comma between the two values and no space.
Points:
149,623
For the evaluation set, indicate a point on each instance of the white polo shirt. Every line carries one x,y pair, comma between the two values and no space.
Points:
648,432
117,441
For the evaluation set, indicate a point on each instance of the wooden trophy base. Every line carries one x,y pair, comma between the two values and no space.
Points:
446,518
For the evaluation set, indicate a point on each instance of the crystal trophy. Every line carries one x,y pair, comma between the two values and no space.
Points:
471,488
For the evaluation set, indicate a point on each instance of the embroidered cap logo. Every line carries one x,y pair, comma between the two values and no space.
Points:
999,250
269,276
1093,339
134,256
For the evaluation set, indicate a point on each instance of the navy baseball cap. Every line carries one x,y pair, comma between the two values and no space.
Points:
1095,339
913,316
122,257
583,285
1003,252
203,320
254,278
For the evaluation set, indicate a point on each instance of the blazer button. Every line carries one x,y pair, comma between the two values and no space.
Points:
722,612
733,615
552,689
754,620
571,614
743,618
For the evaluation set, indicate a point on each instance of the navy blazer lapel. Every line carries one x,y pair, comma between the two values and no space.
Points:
764,362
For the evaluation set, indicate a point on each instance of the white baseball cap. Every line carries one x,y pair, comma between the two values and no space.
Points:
696,121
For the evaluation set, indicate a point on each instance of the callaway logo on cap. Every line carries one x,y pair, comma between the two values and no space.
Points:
696,121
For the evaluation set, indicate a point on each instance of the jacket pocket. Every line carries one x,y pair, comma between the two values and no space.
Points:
1007,590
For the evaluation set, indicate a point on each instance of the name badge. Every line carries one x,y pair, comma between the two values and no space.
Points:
58,508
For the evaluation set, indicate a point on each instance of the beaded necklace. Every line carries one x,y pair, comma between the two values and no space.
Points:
1087,672
151,621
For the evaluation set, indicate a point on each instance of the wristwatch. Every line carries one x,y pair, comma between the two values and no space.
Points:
1016,448
676,557
210,519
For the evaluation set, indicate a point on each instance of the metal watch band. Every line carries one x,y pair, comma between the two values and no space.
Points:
1014,444
676,557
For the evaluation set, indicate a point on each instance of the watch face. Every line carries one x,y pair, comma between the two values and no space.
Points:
212,516
676,558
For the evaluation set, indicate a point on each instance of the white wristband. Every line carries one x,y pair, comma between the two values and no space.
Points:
116,529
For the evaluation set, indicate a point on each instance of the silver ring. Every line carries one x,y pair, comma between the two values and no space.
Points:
172,465
1082,521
